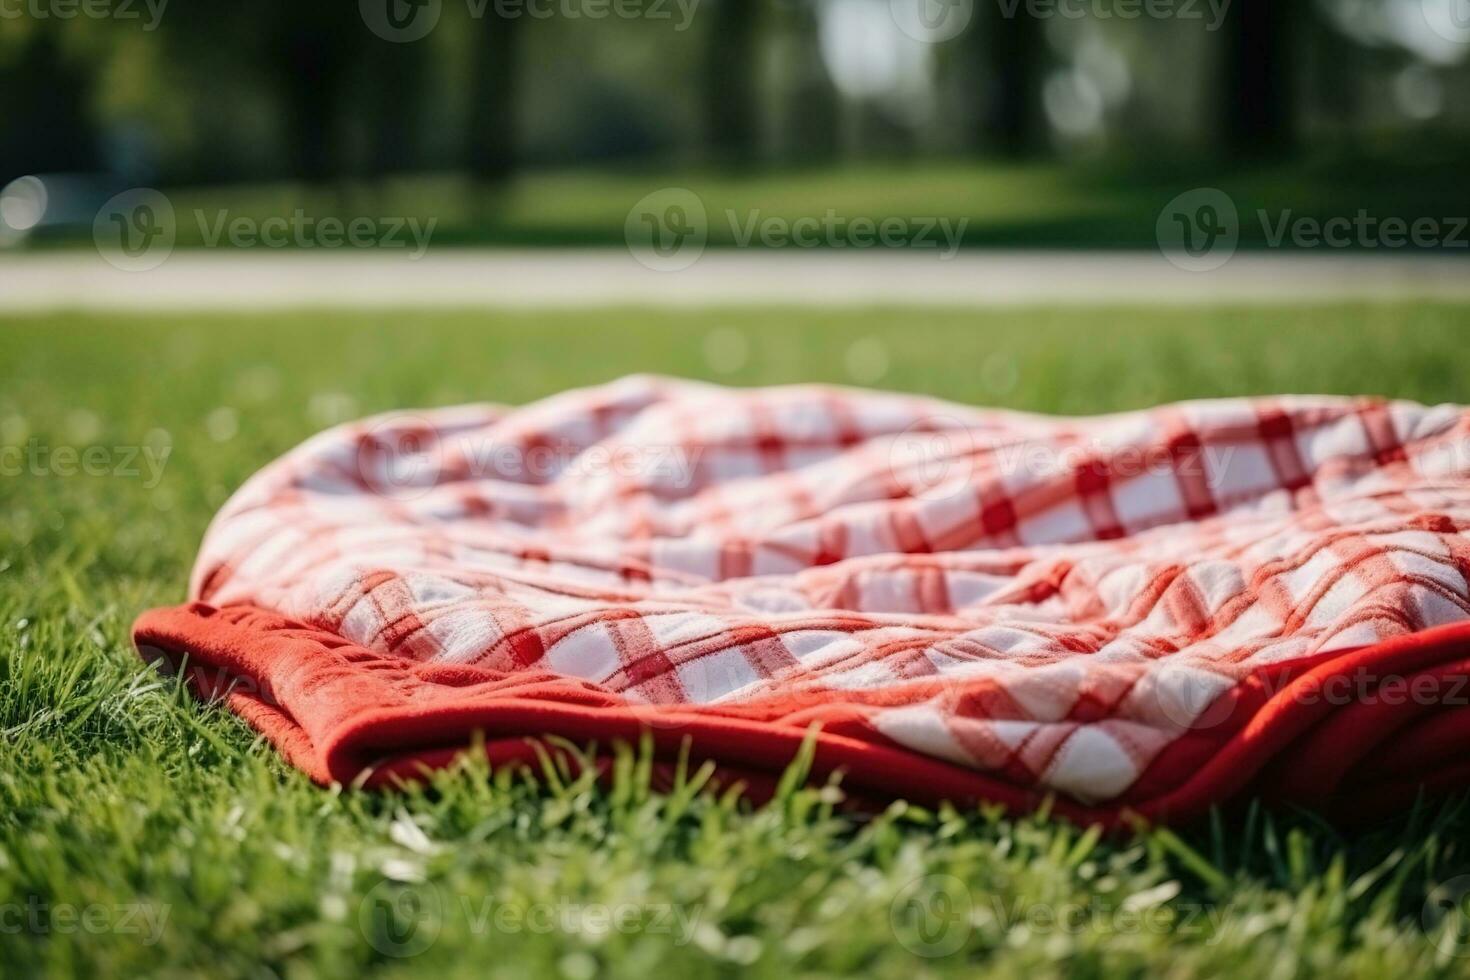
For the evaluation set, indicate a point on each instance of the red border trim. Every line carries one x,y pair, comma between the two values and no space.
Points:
340,713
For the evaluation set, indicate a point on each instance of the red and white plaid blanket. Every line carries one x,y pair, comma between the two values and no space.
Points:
1153,611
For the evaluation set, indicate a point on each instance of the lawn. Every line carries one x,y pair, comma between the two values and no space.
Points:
143,833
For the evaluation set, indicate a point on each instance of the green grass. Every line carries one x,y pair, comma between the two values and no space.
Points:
181,844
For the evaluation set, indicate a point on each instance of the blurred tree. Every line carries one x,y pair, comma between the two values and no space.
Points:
1338,70
812,110
1012,49
47,123
491,140
731,35
1257,85
396,80
301,57
312,48
212,49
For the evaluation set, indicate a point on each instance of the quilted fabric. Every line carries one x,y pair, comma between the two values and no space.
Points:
1126,610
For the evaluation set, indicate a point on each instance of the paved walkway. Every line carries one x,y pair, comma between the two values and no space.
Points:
202,280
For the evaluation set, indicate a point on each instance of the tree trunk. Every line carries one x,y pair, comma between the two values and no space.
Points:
397,84
729,80
813,111
492,130
1013,50
313,54
1256,83
47,124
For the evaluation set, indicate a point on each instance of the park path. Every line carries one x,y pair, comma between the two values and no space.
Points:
546,278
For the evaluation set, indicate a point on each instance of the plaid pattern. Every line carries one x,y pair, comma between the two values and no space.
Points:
1054,601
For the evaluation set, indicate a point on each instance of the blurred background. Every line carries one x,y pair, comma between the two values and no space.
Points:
540,122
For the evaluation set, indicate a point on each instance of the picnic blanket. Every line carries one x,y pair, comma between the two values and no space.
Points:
1141,613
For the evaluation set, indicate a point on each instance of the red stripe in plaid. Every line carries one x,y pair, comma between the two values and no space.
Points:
1076,605
1187,462
1279,434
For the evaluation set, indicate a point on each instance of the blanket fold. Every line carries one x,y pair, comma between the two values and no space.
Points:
1146,613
